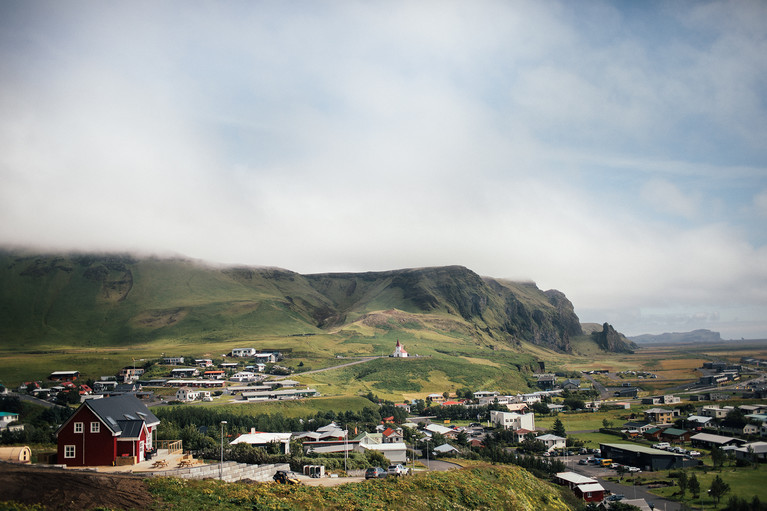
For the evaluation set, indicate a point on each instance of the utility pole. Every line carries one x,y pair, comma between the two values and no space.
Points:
221,465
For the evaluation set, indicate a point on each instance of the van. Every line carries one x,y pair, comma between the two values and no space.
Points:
661,445
606,462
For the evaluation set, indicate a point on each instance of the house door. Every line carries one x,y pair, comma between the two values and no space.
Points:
141,451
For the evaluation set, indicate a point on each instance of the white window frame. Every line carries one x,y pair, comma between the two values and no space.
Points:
95,427
70,451
78,428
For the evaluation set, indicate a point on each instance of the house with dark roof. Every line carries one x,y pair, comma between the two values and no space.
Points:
103,430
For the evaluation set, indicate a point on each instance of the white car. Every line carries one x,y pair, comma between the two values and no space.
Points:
693,453
397,470
634,469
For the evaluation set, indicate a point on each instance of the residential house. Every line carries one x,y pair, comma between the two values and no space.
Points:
267,357
444,449
243,376
442,430
395,452
709,441
512,420
190,394
659,415
627,392
698,421
675,435
745,430
129,374
243,352
546,381
215,374
715,411
203,362
261,439
6,418
185,372
64,375
552,442
571,384
103,430
521,433
173,361
752,451
639,427
435,398
584,487
391,435
486,393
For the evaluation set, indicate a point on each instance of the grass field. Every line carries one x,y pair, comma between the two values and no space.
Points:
745,482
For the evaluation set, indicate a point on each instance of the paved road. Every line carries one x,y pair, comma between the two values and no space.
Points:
438,465
628,490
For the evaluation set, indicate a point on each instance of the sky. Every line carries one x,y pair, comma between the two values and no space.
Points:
616,151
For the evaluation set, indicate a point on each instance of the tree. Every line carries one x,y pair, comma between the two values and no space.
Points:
558,428
606,423
718,488
717,457
574,403
683,482
540,408
693,485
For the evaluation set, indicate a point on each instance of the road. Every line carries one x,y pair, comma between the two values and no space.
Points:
347,364
627,490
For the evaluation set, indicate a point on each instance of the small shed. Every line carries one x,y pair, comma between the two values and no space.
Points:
19,454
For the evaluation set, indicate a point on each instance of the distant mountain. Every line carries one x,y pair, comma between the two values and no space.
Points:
696,336
115,300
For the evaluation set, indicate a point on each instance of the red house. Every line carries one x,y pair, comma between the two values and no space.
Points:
102,430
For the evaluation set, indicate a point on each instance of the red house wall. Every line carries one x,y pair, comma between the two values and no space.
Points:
91,449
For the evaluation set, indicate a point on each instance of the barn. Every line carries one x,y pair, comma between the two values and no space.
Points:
102,431
21,454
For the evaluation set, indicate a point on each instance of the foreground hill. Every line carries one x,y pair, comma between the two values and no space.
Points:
119,300
482,487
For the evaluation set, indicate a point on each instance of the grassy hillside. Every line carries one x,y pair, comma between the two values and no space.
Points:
97,313
482,487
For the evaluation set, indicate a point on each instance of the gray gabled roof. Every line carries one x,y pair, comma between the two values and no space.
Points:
122,413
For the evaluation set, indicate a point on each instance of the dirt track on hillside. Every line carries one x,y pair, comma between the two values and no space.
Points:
60,489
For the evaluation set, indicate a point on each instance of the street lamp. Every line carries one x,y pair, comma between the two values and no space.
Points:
221,465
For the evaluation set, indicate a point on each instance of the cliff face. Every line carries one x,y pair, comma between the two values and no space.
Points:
610,340
110,300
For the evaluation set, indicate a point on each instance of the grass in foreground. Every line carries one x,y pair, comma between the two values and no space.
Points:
482,487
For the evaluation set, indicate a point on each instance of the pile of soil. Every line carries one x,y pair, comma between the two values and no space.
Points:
60,489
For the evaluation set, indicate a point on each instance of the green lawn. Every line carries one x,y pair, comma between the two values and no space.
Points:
745,482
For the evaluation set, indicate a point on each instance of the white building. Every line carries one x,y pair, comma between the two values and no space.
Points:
552,441
6,418
244,376
513,420
243,352
264,439
399,351
190,394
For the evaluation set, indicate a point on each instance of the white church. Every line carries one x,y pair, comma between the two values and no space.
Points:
399,351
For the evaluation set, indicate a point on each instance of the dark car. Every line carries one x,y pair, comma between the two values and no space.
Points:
286,477
375,473
615,497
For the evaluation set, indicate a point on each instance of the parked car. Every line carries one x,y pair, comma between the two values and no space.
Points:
634,469
615,497
693,453
661,445
397,470
375,473
286,477
583,462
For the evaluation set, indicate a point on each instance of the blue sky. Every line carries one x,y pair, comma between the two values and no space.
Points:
616,151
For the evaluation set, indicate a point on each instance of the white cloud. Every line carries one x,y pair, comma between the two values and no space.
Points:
523,140
666,197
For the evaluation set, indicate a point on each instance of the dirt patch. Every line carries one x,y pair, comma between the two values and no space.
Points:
60,489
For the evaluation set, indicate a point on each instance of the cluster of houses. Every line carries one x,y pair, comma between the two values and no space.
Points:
702,429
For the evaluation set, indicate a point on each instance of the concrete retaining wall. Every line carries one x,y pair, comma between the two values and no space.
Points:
230,471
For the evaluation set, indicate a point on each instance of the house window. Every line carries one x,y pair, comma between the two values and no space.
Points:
95,427
69,450
78,427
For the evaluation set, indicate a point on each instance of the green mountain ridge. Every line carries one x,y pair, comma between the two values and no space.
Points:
111,300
